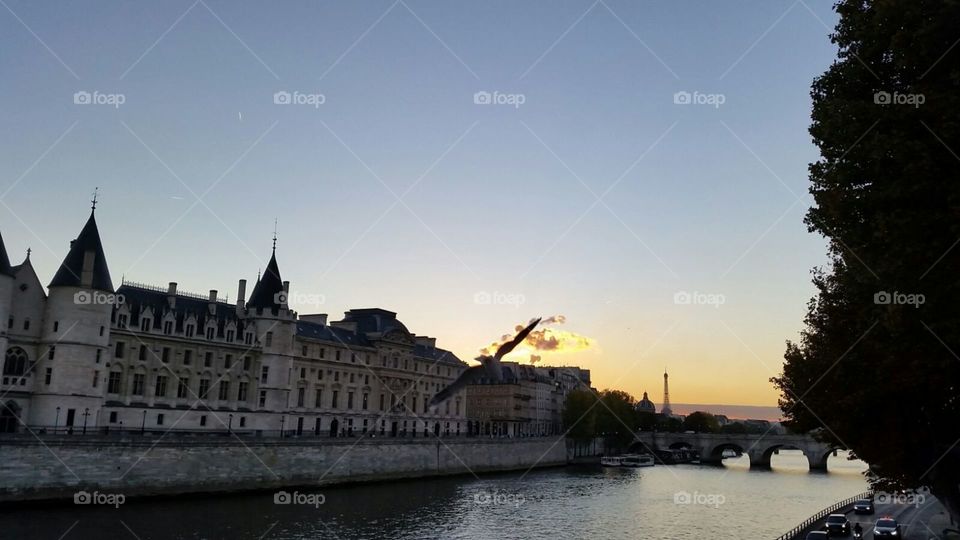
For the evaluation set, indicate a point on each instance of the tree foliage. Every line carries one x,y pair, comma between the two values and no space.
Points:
701,422
881,376
579,419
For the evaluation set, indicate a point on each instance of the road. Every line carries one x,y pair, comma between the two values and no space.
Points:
923,521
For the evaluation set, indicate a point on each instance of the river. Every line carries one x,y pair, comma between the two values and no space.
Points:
588,502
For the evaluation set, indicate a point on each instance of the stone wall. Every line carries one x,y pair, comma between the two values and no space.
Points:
58,467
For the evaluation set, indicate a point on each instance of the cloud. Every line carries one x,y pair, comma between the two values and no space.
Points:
543,339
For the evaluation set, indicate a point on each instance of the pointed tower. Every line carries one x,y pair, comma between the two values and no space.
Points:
666,410
275,327
75,335
6,292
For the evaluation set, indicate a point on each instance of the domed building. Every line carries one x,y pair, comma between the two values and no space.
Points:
645,405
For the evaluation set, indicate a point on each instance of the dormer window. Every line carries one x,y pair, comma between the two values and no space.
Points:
210,331
122,321
248,338
190,330
144,325
168,327
229,335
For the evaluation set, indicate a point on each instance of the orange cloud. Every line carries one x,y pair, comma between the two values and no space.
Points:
550,340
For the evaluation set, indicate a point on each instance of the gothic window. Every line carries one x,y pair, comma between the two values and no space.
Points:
15,362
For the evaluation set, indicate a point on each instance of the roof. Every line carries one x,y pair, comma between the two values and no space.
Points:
71,272
375,320
342,336
5,267
268,292
138,298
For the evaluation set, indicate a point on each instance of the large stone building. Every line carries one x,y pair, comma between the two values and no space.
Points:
86,356
527,402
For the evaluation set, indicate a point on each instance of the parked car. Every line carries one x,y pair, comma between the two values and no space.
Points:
837,525
863,506
817,535
886,527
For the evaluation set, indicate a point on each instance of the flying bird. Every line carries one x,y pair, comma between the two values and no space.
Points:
489,367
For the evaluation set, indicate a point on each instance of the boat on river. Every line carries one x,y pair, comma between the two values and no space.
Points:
627,460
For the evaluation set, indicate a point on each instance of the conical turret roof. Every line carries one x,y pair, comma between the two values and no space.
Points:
267,291
85,265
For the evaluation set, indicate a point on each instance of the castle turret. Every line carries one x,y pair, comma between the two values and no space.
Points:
72,367
6,290
275,326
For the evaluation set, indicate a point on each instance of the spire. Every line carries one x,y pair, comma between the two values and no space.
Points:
85,264
268,292
666,410
5,267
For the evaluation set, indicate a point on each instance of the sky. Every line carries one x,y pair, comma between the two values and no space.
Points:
637,167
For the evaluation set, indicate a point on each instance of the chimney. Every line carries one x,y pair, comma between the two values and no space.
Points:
172,294
86,272
241,295
212,306
286,293
213,296
318,318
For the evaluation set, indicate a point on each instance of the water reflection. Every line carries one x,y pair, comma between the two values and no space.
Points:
682,502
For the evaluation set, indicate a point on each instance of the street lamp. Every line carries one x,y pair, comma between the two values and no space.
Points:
230,424
56,423
143,422
281,426
86,413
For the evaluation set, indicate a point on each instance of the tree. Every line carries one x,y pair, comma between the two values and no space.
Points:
875,366
701,422
617,417
735,428
579,415
668,424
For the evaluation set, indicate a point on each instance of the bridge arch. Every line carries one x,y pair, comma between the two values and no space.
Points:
715,455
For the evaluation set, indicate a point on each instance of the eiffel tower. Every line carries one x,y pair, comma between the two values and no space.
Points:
666,410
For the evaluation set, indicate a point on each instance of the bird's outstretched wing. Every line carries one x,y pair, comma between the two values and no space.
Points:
508,346
469,375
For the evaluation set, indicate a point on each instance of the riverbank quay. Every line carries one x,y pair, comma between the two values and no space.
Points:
920,518
40,468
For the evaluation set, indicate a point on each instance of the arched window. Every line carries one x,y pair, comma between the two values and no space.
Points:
15,362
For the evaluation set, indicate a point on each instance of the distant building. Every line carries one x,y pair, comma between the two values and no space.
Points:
527,402
87,356
645,405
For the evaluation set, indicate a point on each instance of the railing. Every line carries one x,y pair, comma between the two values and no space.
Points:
794,533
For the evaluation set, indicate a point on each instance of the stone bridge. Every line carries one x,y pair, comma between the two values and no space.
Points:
758,447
